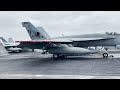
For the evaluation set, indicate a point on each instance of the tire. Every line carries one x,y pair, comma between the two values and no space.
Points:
111,56
56,56
43,53
105,55
20,51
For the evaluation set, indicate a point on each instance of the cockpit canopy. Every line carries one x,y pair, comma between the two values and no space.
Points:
112,33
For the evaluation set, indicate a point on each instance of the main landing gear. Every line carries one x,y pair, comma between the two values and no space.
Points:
57,56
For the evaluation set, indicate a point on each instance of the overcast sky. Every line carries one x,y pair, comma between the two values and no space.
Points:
57,23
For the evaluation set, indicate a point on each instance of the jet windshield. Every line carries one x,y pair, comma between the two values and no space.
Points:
112,33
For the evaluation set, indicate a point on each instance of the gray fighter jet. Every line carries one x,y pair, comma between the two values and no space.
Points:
10,46
68,45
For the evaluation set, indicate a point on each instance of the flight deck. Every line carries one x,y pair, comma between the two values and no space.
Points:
33,65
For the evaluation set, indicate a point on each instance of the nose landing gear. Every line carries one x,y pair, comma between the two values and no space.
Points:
105,55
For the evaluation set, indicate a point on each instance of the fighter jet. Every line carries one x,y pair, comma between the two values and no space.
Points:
10,46
85,40
59,46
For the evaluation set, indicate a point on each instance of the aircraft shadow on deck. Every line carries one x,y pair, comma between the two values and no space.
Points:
50,61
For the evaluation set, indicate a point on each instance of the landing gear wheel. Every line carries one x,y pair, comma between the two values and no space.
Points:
20,51
111,56
56,56
105,55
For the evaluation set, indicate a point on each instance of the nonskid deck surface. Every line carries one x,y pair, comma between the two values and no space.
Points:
35,65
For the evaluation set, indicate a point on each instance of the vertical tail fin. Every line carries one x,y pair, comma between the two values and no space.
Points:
1,41
10,40
35,33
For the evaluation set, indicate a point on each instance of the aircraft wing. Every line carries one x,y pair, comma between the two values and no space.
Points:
94,42
39,44
89,39
11,44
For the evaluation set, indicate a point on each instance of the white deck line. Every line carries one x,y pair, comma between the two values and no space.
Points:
27,76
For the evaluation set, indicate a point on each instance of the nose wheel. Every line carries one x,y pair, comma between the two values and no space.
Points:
105,55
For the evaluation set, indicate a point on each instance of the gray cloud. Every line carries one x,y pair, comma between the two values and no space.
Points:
57,23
